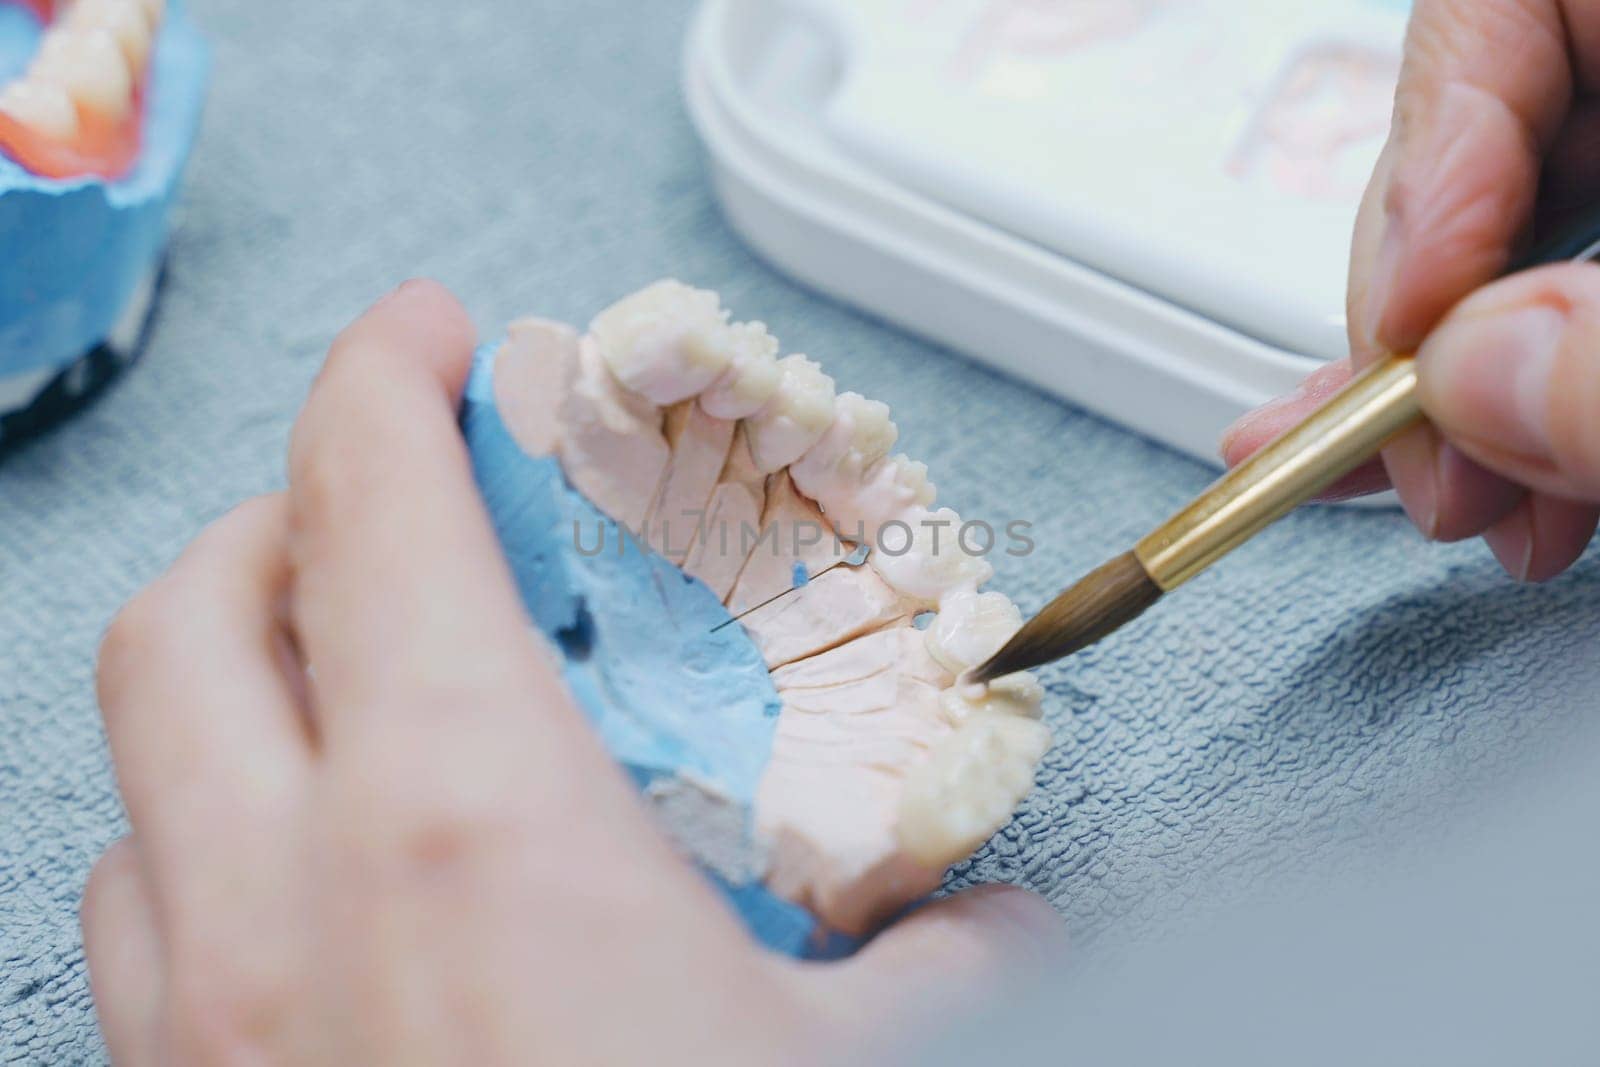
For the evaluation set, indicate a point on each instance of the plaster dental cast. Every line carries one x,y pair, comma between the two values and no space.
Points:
99,104
817,755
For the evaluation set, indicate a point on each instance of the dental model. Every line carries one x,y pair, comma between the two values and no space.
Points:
95,133
78,108
819,752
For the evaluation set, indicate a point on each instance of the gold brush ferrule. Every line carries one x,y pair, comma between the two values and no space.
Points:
1344,433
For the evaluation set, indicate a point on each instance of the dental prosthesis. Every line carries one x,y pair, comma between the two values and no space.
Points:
666,474
99,104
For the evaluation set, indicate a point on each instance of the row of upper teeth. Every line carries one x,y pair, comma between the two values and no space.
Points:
670,343
89,62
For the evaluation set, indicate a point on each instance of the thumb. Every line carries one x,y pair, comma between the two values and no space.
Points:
942,962
1512,377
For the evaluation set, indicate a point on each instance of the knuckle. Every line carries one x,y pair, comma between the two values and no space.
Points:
438,839
316,474
1398,191
243,522
152,631
110,874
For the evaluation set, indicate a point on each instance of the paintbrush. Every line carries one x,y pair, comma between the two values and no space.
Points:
1349,429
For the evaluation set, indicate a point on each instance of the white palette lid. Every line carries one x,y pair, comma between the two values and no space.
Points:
1213,152
1165,272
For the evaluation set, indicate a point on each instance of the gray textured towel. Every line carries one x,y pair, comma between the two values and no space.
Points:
535,157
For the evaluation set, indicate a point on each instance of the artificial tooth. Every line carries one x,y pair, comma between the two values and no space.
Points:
42,107
532,376
90,67
752,376
923,557
1020,695
646,340
125,20
875,433
835,468
968,787
831,833
971,627
611,449
796,417
889,489
911,478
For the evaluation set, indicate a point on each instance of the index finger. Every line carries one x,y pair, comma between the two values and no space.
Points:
1483,93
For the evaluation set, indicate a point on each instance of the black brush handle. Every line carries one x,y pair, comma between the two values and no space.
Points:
1577,241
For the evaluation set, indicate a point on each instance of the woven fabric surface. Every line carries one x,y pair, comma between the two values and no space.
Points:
1334,676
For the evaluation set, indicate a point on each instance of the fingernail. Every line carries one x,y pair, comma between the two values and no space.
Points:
1489,377
1421,501
1250,418
398,291
1240,425
1512,543
1040,932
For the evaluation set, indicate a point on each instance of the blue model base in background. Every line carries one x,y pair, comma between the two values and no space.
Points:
77,250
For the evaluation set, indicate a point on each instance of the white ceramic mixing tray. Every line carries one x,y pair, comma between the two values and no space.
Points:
796,104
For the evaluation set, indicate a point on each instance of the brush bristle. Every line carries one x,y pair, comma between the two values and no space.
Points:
1099,605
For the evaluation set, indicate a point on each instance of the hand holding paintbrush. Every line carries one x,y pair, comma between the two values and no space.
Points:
1494,427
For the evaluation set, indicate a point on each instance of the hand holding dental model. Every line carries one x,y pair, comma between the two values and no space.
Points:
419,852
1493,136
